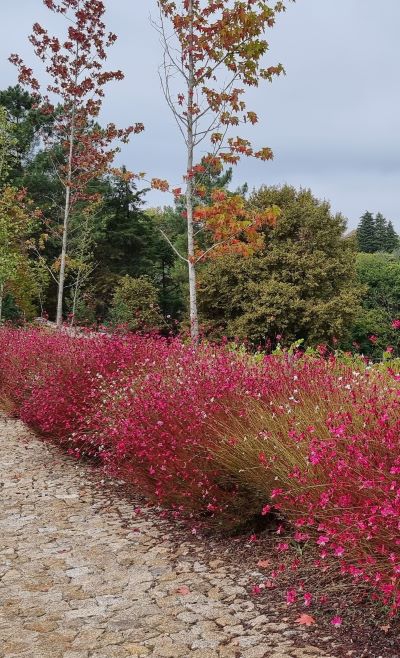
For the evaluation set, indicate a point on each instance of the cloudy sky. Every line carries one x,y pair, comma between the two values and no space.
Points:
333,121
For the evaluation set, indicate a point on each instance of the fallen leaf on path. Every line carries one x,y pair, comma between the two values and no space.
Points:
305,620
263,563
183,590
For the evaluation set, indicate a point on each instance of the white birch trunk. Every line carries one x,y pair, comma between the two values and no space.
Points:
194,320
67,207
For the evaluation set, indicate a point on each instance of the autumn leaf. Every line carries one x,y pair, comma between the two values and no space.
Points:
305,620
263,563
184,590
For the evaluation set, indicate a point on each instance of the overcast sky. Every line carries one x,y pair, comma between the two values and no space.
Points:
333,122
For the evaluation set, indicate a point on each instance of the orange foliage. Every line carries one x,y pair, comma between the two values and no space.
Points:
235,228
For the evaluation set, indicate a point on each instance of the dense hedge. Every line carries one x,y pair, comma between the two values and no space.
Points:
219,437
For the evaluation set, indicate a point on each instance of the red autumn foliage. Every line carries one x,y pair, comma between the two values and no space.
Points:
75,67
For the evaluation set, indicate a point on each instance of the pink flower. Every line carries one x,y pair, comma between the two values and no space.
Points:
291,596
307,599
336,621
396,324
276,492
322,540
282,547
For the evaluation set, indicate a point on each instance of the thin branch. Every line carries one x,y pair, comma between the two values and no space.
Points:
42,260
172,246
214,246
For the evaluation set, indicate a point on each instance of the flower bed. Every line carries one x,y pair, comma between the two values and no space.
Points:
219,437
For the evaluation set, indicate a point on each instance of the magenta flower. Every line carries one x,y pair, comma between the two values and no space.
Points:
291,596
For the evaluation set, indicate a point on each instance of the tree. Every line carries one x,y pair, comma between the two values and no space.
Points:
215,46
366,235
127,241
392,239
7,146
26,122
135,304
302,286
380,232
379,274
17,217
19,274
376,234
77,78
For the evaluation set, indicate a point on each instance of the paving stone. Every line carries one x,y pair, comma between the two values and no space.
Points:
82,578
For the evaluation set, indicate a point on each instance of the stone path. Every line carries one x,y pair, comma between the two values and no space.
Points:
81,577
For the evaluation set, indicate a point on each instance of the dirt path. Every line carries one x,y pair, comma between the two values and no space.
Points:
81,577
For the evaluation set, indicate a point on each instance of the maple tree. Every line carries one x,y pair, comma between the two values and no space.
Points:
216,49
75,65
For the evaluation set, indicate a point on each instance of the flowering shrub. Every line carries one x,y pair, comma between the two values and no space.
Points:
141,405
221,436
326,449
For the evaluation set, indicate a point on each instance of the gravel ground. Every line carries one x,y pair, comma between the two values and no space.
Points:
82,576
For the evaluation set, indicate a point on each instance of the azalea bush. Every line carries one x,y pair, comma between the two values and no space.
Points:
219,437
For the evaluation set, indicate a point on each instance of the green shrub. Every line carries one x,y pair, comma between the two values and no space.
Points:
135,304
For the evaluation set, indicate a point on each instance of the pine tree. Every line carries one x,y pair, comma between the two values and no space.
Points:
380,232
366,234
392,239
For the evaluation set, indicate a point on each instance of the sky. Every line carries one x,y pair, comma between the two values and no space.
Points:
333,121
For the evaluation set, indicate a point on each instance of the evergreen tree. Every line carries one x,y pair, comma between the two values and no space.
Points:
26,122
381,229
128,242
392,239
366,234
376,234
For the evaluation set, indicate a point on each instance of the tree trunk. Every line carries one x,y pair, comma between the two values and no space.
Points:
75,301
194,320
67,208
61,279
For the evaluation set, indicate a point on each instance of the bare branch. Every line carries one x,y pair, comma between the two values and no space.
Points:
173,246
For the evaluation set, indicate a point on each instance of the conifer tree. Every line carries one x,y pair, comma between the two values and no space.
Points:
366,235
392,239
380,232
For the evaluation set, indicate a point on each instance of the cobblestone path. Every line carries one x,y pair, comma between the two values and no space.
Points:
81,577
